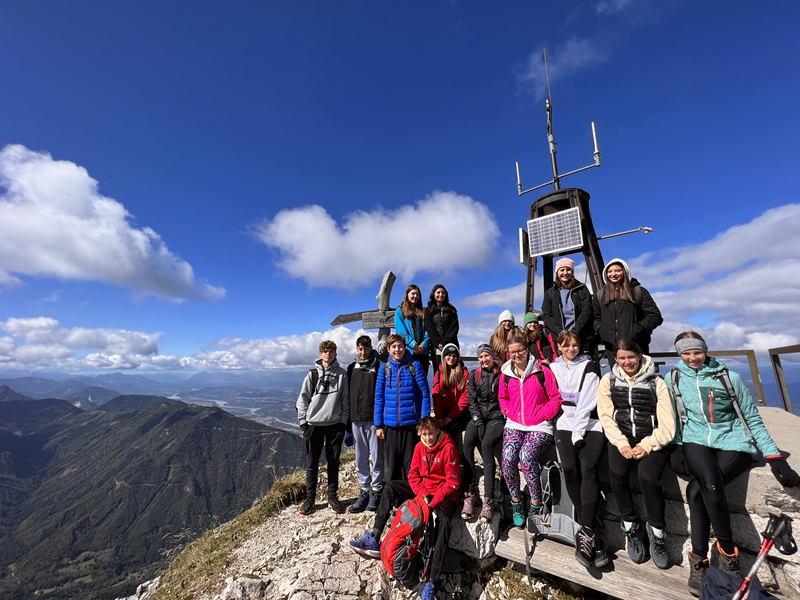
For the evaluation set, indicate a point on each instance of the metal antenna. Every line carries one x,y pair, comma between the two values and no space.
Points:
556,181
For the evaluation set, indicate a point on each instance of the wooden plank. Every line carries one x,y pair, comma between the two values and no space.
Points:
347,318
375,319
626,581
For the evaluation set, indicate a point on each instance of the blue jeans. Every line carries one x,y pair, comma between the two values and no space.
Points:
368,444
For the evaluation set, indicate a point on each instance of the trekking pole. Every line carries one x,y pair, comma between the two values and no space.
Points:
779,529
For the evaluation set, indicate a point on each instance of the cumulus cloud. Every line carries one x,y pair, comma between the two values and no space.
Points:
312,246
55,223
513,297
562,63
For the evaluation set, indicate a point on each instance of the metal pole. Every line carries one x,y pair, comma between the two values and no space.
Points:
551,139
783,389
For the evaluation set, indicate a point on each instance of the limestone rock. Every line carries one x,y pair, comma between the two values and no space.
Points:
245,588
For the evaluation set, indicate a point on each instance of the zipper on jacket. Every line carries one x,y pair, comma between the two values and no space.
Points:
700,398
522,401
711,405
630,403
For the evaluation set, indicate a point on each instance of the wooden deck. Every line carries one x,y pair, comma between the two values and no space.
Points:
621,579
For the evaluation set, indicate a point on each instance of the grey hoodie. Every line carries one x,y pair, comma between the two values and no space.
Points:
329,403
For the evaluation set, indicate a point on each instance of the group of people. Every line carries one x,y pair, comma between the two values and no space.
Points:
535,387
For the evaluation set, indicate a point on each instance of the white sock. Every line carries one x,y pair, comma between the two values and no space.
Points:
627,525
658,532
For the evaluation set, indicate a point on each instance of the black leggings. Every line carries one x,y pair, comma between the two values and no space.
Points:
581,472
491,437
705,494
331,438
399,448
650,469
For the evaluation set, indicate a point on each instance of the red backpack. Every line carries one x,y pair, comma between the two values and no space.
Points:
401,546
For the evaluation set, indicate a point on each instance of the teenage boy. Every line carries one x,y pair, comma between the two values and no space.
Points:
323,411
361,377
436,476
402,398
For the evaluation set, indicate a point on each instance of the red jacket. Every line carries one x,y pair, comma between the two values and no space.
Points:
449,402
436,471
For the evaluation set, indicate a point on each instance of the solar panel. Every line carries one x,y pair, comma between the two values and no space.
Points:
555,233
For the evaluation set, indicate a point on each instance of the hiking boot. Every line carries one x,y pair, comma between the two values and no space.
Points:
367,546
585,540
374,500
335,505
518,510
600,556
635,537
698,567
729,563
361,502
658,548
308,506
429,592
469,506
487,510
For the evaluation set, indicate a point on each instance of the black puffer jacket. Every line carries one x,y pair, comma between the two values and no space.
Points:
449,321
483,403
624,320
362,378
553,314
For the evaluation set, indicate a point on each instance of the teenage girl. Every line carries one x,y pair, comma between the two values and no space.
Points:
409,321
718,446
506,327
581,443
530,399
542,345
450,402
484,431
441,322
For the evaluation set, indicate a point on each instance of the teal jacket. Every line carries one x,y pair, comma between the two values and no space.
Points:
405,327
709,417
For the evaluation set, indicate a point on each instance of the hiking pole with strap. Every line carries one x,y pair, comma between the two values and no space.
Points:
778,533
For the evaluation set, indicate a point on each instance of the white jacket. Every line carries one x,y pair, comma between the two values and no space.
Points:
576,418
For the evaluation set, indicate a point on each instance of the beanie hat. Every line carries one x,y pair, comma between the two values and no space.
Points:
450,349
621,263
565,262
506,316
489,350
531,318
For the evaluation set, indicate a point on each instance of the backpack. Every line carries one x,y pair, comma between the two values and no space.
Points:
387,371
557,520
314,380
722,586
401,548
725,377
539,375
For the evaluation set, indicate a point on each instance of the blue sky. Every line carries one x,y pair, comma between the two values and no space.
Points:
216,126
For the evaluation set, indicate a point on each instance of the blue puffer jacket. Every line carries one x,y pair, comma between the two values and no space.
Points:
404,402
710,418
405,327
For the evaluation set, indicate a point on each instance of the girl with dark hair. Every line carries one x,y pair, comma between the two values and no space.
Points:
541,344
581,443
506,327
530,400
567,306
721,432
409,321
441,321
635,410
623,309
484,431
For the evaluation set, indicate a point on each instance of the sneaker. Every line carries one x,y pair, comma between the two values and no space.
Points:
335,505
487,510
469,506
658,548
374,500
729,563
635,537
584,546
361,502
308,506
367,546
698,567
429,592
600,556
518,510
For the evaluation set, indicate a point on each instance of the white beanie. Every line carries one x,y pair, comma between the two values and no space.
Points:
621,263
506,316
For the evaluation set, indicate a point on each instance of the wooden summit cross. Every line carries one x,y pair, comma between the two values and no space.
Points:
381,319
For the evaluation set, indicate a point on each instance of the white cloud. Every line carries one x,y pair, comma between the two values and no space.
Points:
513,297
312,246
54,223
612,6
562,63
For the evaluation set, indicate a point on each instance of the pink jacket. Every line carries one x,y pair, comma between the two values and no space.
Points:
531,405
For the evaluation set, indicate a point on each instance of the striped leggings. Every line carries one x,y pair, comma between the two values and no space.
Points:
523,449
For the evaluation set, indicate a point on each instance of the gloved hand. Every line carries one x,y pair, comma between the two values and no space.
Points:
304,427
579,444
348,439
785,475
677,460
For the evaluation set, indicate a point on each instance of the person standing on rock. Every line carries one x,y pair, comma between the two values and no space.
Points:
435,476
506,327
484,431
402,398
567,306
441,321
323,412
623,309
720,431
635,410
581,443
362,375
530,400
409,321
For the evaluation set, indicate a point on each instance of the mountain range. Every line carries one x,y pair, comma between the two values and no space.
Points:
92,503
